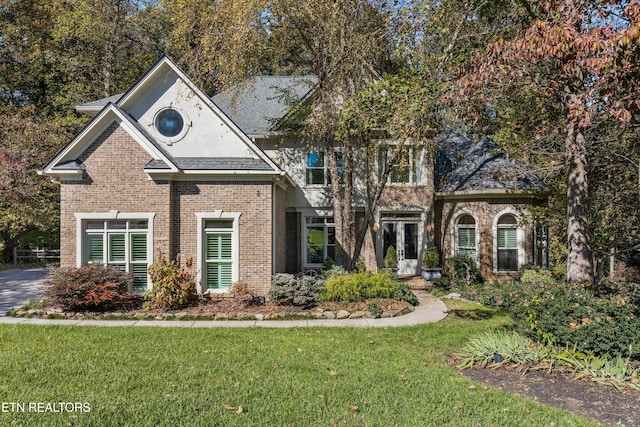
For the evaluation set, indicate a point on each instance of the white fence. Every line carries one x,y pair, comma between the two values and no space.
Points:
35,255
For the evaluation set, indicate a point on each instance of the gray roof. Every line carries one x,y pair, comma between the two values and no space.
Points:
464,165
260,103
222,163
103,102
71,165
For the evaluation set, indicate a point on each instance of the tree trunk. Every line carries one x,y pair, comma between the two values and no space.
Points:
580,257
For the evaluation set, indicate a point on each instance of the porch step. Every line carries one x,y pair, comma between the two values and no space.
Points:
415,283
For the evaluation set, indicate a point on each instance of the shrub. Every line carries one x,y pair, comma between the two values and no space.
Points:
362,286
90,287
173,286
431,258
374,308
287,289
576,315
462,268
391,258
534,274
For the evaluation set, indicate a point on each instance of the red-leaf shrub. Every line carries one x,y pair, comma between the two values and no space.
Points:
92,287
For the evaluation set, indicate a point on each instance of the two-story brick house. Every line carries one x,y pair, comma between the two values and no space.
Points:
163,168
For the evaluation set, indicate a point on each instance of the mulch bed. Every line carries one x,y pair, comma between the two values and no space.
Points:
598,402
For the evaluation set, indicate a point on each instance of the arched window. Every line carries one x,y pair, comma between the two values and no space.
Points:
466,242
507,243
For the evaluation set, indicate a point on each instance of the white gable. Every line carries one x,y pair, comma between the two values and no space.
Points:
207,132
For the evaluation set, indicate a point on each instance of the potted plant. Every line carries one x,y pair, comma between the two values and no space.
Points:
431,264
391,259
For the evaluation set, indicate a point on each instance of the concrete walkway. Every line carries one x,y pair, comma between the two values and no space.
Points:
19,286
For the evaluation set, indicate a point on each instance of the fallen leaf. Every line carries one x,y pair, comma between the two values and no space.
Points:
228,407
354,408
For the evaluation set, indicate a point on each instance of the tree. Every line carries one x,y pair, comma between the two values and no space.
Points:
27,202
575,53
55,55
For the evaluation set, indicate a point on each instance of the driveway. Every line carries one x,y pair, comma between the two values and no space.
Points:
18,286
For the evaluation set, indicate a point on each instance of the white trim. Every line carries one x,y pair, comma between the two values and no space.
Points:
454,232
520,235
235,249
94,129
156,72
81,217
303,241
186,125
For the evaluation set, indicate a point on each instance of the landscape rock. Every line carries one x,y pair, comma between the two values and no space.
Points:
342,314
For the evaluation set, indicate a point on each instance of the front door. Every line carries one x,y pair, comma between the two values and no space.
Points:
404,238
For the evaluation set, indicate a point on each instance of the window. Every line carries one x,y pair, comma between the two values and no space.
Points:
507,243
320,240
406,169
465,240
169,122
121,243
317,171
218,251
218,255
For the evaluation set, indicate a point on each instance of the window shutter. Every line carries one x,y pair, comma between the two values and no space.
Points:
218,246
117,247
139,272
219,255
95,247
219,275
507,238
466,238
138,247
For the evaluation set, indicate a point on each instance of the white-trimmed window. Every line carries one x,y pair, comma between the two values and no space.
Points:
122,243
319,240
466,242
218,251
508,243
317,170
407,167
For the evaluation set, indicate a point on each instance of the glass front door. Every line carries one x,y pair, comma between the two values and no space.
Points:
404,238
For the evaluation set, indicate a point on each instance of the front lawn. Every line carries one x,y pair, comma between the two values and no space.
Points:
153,376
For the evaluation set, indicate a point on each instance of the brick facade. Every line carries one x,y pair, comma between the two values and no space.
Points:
485,210
115,180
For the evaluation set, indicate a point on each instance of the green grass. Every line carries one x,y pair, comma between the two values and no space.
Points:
153,376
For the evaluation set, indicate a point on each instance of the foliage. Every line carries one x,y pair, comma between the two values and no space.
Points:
534,274
579,55
615,371
431,258
596,321
391,258
287,289
90,287
462,268
27,202
362,286
173,285
510,346
374,308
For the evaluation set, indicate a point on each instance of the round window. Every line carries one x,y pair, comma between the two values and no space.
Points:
169,123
